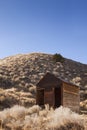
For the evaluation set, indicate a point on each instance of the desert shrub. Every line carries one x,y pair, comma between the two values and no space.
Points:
33,90
5,82
11,97
35,118
58,58
83,105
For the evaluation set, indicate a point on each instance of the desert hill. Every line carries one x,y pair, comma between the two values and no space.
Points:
20,73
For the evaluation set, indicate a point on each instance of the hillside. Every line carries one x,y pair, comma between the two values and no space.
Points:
20,73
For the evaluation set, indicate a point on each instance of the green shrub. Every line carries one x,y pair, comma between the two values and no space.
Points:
58,58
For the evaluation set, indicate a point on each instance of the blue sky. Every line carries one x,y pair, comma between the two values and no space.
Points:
48,26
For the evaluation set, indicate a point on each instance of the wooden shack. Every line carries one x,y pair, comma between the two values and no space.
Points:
56,92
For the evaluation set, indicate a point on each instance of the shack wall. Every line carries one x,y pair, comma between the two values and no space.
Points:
71,96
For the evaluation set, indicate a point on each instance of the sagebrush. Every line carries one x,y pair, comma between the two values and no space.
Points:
35,118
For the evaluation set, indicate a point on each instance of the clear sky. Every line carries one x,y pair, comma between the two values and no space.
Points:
48,26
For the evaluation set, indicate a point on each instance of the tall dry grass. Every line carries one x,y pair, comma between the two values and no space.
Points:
35,118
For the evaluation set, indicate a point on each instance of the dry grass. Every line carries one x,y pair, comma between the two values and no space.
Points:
34,118
84,118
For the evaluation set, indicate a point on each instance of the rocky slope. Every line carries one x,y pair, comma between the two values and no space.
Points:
22,72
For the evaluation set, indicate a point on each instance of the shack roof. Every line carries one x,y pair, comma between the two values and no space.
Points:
50,79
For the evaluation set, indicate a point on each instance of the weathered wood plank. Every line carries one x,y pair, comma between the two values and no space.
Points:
49,97
70,88
67,91
71,101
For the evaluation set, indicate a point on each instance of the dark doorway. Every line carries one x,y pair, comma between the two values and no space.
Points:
40,97
57,93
